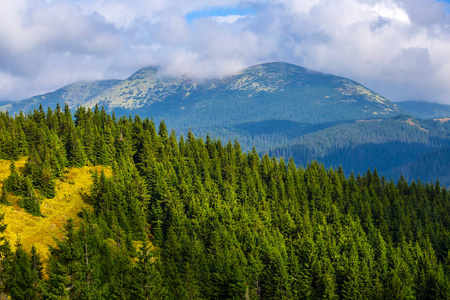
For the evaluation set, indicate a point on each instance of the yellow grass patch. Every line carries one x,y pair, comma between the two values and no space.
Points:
4,167
442,120
410,122
71,194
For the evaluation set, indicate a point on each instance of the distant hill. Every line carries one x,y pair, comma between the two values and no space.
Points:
400,145
426,110
430,166
73,94
4,103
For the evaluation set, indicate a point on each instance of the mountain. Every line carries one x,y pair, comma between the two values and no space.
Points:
270,91
73,94
426,110
279,108
5,102
275,102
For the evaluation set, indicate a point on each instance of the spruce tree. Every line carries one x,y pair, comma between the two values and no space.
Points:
5,257
13,183
36,264
75,150
29,201
22,281
4,197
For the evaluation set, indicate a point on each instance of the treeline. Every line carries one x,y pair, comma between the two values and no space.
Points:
224,224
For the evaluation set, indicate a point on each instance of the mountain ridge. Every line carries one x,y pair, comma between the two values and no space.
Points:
426,110
147,86
74,94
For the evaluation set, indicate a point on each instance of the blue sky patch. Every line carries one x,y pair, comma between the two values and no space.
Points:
218,12
448,6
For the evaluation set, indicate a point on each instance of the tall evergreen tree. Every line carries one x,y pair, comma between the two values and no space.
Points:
22,280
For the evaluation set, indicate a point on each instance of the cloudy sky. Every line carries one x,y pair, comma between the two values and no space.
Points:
399,48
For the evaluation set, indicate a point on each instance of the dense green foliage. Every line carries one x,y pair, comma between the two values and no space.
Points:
225,224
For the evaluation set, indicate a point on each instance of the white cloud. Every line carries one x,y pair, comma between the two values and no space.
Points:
396,47
229,19
7,82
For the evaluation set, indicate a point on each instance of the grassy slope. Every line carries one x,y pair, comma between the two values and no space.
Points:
69,200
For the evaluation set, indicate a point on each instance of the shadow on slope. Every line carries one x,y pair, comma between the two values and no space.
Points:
429,166
287,128
390,159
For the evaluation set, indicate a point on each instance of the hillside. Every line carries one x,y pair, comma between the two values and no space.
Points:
5,102
73,94
226,224
426,110
390,145
71,193
432,165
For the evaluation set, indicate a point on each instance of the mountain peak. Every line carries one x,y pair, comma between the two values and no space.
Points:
147,71
276,67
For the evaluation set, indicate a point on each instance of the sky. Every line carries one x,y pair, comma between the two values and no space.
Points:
398,48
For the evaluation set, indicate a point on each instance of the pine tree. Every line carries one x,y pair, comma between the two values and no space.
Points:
47,183
6,256
102,154
13,183
29,201
147,281
22,281
4,197
36,264
75,151
158,225
162,131
55,286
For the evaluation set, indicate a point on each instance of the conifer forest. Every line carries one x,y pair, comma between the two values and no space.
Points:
172,216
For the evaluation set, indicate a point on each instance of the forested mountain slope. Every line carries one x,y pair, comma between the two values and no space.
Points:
278,91
426,110
393,146
224,223
269,91
74,95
